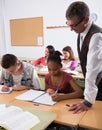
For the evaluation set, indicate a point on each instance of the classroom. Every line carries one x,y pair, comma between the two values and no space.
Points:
49,18
58,37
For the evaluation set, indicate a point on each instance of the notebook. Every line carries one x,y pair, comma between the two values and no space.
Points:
36,96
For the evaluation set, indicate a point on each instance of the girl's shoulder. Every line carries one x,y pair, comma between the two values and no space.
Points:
67,75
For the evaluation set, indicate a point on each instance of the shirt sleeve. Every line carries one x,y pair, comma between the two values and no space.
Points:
73,65
94,66
37,61
36,80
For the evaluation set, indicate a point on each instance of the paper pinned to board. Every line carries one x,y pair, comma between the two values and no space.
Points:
40,40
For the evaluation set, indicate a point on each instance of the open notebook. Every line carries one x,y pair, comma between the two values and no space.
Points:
36,96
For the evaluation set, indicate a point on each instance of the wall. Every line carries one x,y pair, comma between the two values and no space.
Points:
2,29
53,12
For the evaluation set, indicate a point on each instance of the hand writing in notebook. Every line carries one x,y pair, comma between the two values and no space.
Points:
50,91
4,88
54,94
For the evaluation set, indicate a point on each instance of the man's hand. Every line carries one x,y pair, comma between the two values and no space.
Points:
78,107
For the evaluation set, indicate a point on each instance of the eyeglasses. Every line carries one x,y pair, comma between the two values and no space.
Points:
74,26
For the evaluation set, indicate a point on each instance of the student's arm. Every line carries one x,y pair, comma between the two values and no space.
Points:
37,61
77,93
73,65
4,88
18,87
35,82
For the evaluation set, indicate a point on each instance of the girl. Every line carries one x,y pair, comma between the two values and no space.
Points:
59,84
69,61
42,61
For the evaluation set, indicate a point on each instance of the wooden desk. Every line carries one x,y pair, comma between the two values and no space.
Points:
10,97
45,117
31,105
77,76
93,117
40,110
64,116
41,73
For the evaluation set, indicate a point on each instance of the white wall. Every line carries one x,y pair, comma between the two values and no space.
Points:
2,30
53,12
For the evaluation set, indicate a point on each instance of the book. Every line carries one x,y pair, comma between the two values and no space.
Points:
36,96
2,92
14,118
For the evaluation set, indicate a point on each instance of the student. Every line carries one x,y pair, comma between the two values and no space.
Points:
17,74
89,45
69,61
60,85
42,61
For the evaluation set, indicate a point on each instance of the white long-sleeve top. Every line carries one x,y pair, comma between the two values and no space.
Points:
94,65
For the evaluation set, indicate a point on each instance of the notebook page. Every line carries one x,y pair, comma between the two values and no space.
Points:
45,99
30,95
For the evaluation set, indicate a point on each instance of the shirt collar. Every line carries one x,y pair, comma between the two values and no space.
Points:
86,30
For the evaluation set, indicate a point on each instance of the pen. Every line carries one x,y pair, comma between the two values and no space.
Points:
56,91
68,105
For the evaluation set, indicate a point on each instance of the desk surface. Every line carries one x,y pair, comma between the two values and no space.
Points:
44,120
76,76
40,110
93,117
10,97
64,116
31,105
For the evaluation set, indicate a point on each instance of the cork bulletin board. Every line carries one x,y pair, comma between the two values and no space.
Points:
27,32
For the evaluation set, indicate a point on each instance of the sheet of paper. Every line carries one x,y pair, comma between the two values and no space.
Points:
44,99
72,72
30,95
2,107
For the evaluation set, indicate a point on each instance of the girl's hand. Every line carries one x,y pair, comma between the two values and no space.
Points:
50,91
57,97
